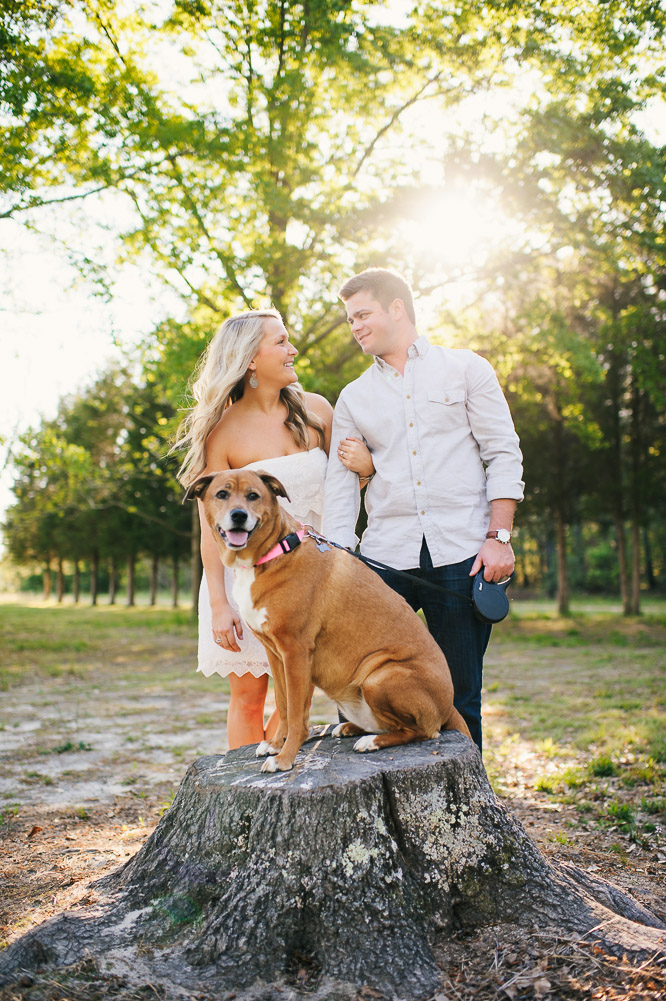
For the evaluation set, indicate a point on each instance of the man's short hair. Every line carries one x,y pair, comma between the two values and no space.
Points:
384,286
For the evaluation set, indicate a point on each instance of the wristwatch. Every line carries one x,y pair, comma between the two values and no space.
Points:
502,535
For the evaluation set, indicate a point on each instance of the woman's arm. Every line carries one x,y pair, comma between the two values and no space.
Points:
320,406
353,453
227,624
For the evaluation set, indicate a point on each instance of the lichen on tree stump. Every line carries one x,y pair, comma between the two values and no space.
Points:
356,864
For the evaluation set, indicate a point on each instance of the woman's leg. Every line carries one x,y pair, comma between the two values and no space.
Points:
245,716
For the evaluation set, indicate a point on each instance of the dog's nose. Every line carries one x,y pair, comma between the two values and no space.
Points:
238,515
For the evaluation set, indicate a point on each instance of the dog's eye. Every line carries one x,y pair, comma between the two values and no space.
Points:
253,495
222,494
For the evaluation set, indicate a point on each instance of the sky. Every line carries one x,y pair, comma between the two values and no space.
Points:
55,334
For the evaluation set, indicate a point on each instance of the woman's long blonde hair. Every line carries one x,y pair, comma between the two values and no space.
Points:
219,381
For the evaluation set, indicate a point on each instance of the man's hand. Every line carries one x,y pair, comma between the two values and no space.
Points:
498,561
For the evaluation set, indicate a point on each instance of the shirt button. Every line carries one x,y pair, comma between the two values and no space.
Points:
418,483
411,424
408,396
422,512
446,399
414,452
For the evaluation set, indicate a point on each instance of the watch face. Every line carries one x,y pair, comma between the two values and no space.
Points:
503,535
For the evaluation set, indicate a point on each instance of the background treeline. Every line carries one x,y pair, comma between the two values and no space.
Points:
260,152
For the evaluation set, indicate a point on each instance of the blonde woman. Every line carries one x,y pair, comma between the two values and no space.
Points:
250,411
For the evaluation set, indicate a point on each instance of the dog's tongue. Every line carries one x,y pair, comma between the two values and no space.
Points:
237,538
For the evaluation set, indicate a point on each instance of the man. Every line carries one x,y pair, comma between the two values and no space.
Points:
448,472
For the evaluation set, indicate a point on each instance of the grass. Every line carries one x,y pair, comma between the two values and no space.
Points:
586,698
42,641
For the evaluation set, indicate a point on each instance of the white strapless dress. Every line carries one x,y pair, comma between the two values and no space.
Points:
302,475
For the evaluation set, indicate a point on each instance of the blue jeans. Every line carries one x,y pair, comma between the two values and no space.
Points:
453,625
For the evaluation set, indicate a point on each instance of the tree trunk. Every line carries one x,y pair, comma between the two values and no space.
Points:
635,566
562,505
635,445
76,584
46,581
113,580
154,573
60,582
94,578
174,582
649,565
563,601
195,559
623,565
131,577
355,866
616,404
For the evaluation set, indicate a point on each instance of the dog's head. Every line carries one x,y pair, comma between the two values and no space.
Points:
237,504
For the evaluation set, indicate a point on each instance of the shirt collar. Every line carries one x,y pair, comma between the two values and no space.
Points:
417,349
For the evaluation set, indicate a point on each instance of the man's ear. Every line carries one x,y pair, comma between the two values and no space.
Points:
199,487
273,484
397,307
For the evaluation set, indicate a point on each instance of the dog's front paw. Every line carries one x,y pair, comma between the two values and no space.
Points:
275,765
263,749
366,743
337,732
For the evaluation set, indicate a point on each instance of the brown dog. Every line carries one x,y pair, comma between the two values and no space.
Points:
325,618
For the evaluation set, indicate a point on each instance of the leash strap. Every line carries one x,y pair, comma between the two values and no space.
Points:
323,544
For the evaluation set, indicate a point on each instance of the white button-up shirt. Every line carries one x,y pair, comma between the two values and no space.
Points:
443,445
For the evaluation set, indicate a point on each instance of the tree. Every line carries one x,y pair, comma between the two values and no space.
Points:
95,483
589,187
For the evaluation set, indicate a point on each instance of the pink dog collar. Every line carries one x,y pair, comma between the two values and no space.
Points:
291,541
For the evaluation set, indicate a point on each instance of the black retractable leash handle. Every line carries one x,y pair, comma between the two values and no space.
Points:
489,600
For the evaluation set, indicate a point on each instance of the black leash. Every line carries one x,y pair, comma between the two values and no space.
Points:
323,544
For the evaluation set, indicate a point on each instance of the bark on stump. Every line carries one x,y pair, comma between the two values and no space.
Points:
357,864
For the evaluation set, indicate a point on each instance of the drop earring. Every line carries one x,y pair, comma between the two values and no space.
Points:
254,382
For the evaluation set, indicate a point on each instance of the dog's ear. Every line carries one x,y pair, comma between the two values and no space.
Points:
273,484
199,487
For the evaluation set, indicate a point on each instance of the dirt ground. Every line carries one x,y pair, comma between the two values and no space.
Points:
89,768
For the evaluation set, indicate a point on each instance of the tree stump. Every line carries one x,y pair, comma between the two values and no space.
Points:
354,865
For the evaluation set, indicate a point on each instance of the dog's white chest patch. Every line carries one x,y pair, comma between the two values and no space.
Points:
242,590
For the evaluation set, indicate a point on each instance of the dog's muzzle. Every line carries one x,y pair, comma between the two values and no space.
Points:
237,534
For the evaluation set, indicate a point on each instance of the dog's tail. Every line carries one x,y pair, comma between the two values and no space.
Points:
456,722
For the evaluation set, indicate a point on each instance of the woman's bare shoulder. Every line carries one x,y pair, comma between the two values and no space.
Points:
219,441
319,405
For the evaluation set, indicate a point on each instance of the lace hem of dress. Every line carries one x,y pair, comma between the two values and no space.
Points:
256,668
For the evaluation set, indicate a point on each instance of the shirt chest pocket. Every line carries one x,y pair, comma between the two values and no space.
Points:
446,407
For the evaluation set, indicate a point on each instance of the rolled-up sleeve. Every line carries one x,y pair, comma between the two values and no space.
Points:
492,426
342,497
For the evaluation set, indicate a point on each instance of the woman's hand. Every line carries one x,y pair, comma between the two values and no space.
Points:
356,456
227,624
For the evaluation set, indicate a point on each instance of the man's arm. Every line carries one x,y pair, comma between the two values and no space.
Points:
342,499
497,557
492,426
